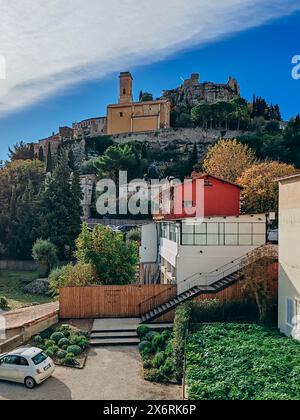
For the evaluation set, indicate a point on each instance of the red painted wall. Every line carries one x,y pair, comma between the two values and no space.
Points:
220,198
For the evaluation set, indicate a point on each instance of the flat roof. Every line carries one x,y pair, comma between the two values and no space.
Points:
128,104
287,178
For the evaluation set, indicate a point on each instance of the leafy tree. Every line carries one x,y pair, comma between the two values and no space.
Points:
260,193
114,260
59,210
258,276
45,253
71,159
49,164
228,159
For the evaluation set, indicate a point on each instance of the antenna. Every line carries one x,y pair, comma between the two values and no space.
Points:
182,79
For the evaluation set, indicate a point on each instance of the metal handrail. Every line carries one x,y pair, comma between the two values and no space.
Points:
211,273
152,298
219,273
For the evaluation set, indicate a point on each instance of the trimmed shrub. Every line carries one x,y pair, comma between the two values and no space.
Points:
47,333
159,359
76,350
154,375
61,354
158,342
69,359
38,339
37,287
169,349
167,368
49,343
167,335
150,336
63,342
180,330
49,352
142,331
147,364
144,345
55,349
83,343
56,337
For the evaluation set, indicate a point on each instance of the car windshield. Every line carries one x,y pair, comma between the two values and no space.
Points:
39,358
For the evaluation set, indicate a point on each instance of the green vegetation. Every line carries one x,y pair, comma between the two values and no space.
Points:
45,253
11,287
242,362
180,331
65,344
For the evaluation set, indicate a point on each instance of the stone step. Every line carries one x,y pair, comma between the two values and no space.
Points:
114,342
113,334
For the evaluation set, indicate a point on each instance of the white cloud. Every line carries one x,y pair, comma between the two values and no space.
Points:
49,45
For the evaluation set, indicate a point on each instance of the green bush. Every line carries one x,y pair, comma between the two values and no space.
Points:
167,369
61,354
49,352
47,333
158,342
49,343
3,303
147,364
242,362
76,339
142,331
83,343
76,350
45,253
55,349
38,339
56,337
169,349
63,342
69,359
180,330
64,347
65,330
150,335
154,375
159,359
144,345
209,310
167,335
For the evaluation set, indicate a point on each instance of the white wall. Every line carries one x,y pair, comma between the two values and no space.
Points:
289,249
149,243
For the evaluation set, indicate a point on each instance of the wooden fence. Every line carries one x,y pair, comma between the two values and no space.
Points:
112,301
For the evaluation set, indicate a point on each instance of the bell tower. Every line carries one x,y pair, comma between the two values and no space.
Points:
125,88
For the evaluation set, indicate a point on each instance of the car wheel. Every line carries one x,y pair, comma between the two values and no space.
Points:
30,383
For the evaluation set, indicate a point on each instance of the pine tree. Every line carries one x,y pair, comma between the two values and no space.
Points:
141,95
49,166
59,209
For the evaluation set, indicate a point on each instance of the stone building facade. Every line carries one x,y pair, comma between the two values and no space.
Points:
133,117
92,127
192,92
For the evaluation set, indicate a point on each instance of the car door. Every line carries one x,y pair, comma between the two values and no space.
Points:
5,368
13,370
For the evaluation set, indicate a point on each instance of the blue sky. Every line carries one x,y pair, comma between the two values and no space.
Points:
259,57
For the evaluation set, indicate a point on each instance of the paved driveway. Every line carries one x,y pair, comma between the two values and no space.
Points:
112,373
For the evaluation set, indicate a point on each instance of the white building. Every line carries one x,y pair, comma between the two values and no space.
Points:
289,256
192,250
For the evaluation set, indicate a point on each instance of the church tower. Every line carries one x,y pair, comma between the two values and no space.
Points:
125,88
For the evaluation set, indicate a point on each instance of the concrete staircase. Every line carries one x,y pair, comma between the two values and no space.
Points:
190,295
117,332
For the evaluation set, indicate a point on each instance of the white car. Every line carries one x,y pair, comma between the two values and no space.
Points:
28,365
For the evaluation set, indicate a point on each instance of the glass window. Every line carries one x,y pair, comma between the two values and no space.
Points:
200,240
231,240
200,228
213,228
245,228
259,228
245,239
259,240
231,228
187,239
187,228
39,358
23,361
213,240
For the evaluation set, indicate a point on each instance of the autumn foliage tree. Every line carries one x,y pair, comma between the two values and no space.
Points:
259,273
228,159
260,193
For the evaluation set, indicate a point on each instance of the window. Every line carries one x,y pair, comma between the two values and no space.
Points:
121,114
39,358
124,91
23,361
290,312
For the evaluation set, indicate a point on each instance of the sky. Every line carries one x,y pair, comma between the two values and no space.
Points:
63,58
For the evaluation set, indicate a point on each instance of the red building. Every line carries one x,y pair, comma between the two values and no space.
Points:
203,196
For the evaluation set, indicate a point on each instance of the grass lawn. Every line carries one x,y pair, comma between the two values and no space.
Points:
242,362
11,287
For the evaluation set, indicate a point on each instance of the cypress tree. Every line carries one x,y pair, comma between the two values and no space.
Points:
41,154
49,166
71,160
